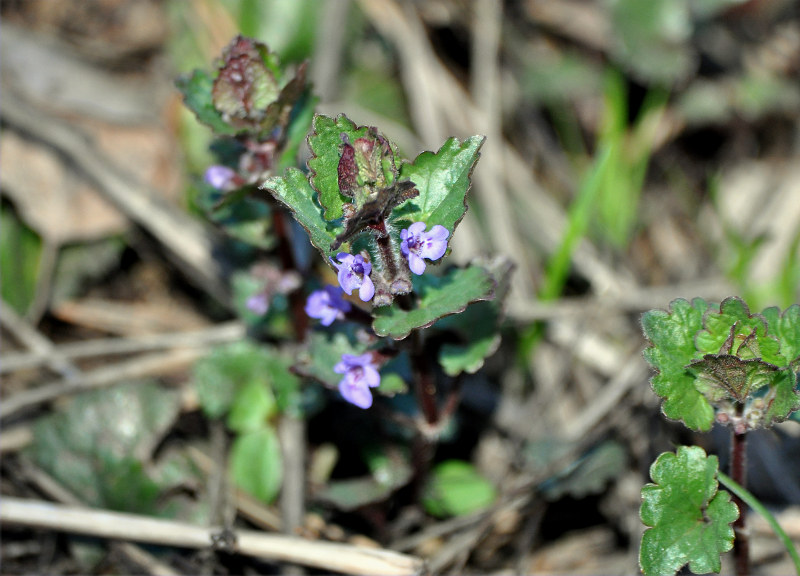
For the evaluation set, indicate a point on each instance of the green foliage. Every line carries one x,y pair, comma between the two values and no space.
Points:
95,447
438,297
455,488
672,337
325,143
478,327
20,251
723,359
256,463
293,191
196,89
689,518
443,180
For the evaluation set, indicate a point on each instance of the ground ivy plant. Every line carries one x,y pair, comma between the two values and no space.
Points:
715,363
379,309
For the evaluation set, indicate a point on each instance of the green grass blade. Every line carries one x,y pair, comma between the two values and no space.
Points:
753,502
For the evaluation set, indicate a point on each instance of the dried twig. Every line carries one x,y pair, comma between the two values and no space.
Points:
148,365
329,556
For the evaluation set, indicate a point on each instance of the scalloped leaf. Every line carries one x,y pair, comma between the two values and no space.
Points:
786,328
689,518
438,297
733,330
672,338
196,89
782,399
325,143
477,326
293,191
443,180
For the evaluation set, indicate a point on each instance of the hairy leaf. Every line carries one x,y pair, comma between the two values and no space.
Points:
293,191
325,143
689,518
196,89
438,297
733,330
443,180
786,328
672,338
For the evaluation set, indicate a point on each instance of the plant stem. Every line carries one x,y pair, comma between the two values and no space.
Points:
297,298
424,383
738,470
753,502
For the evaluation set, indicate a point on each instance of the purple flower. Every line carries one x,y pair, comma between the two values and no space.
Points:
327,305
258,304
221,177
360,374
354,273
418,244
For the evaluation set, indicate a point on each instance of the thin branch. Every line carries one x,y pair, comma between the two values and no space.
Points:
228,332
148,365
328,556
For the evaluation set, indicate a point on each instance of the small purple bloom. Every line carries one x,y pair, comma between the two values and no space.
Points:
418,244
258,304
327,305
354,273
360,374
221,177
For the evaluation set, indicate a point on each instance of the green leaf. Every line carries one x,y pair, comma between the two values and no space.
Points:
689,518
196,89
257,464
438,297
733,330
325,143
325,350
782,399
672,334
786,328
672,348
253,405
455,488
96,445
20,253
443,180
222,374
477,326
293,191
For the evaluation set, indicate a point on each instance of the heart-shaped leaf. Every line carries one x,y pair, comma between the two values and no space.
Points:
689,518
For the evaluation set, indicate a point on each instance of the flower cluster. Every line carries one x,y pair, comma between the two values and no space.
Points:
360,374
416,246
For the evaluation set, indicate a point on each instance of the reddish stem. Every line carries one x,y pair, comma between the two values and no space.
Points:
738,472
